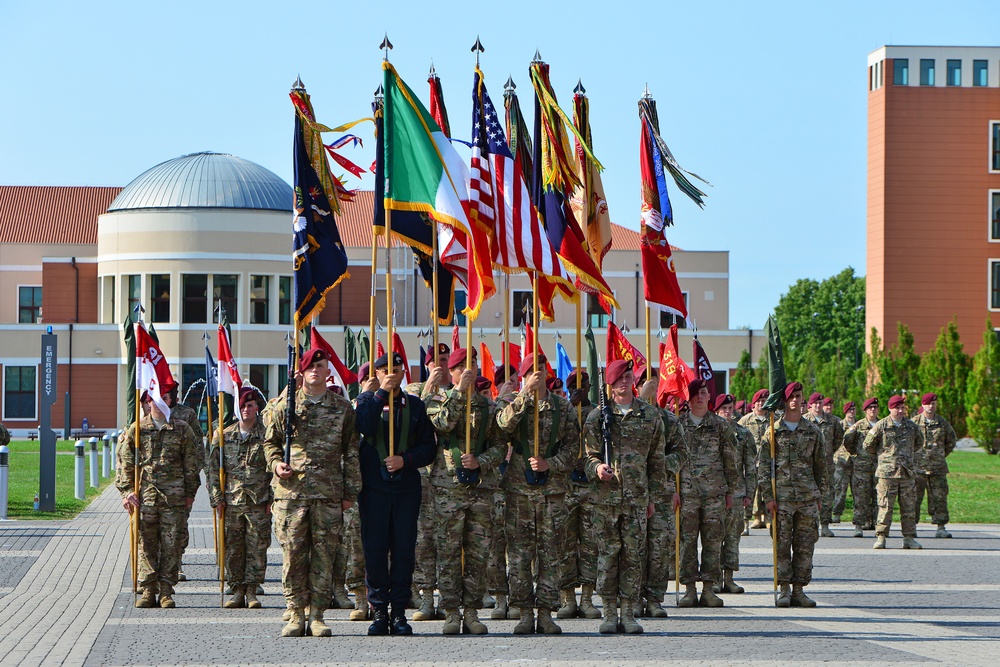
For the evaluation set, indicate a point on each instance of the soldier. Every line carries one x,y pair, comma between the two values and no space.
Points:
746,468
708,482
862,469
756,421
625,454
931,467
536,496
800,480
246,500
188,416
350,556
4,435
843,466
833,438
463,507
168,481
312,491
895,441
496,570
390,491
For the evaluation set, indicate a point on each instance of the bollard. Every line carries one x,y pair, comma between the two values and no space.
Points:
94,481
4,462
114,439
78,487
106,456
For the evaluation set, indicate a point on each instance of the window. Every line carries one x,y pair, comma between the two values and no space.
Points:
134,295
519,307
954,72
159,298
191,373
29,304
224,292
901,72
980,72
195,299
996,147
596,317
19,392
995,216
926,71
669,319
259,376
108,300
284,299
995,284
461,301
259,287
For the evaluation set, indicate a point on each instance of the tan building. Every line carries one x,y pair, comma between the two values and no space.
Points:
207,227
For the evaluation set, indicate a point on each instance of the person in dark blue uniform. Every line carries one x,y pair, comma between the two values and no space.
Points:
389,502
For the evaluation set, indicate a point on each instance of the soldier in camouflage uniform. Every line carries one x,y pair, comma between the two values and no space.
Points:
463,508
188,416
631,476
746,467
312,491
843,469
756,421
168,481
4,435
833,438
536,513
351,556
800,480
932,469
496,570
862,469
895,440
246,501
708,481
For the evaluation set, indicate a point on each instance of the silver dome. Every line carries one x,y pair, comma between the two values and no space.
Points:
206,180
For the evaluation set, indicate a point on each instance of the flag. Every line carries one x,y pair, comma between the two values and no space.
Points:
529,348
229,380
660,286
341,375
456,340
776,366
130,402
364,348
513,356
424,173
702,366
319,259
647,111
397,346
588,201
674,373
351,358
379,351
487,369
563,364
152,373
593,366
423,364
211,375
619,347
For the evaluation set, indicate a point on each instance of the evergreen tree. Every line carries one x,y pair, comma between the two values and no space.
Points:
983,393
741,385
944,370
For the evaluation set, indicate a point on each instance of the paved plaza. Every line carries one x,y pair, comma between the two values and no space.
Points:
65,599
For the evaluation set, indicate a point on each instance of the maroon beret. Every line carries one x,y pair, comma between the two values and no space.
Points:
813,397
827,401
761,395
616,369
741,406
483,383
929,397
696,385
573,380
248,394
721,400
501,373
869,403
896,401
791,388
553,384
849,406
311,357
458,356
528,364
364,371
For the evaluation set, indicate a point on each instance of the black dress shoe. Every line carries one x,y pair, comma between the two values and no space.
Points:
380,624
399,626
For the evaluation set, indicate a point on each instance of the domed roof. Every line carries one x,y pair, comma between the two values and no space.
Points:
205,180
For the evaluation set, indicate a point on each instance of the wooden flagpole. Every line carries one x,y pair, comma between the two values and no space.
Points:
388,339
215,515
222,512
371,326
534,351
774,514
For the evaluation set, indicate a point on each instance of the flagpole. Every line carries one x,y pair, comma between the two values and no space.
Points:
222,512
677,542
388,310
579,365
505,353
434,288
774,515
469,390
136,479
534,352
371,326
215,516
649,346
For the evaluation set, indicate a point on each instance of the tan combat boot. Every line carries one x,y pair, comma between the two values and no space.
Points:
690,598
317,626
569,607
340,599
586,609
730,586
238,600
167,596
471,625
251,597
426,610
452,622
708,596
286,615
784,597
799,598
489,601
630,626
525,626
147,600
609,624
879,542
360,611
941,532
655,607
545,625
825,531
296,623
500,611
859,530
910,543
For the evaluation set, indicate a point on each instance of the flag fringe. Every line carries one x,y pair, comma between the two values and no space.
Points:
306,318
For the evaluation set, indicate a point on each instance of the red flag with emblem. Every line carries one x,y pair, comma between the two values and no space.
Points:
487,369
674,373
619,347
152,373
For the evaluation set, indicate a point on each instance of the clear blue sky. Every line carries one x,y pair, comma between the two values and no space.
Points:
765,100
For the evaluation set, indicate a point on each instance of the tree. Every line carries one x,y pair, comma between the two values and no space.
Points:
982,398
893,371
944,369
741,383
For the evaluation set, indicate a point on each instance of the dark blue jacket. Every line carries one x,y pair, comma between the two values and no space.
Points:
421,446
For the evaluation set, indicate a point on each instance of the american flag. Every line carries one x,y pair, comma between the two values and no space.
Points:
499,196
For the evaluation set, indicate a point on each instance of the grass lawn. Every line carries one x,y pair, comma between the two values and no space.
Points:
23,475
973,487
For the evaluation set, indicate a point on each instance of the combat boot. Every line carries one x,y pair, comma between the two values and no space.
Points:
489,601
426,610
147,600
360,611
730,586
568,608
500,611
251,597
471,625
690,598
717,588
546,626
525,626
380,622
609,624
799,598
398,624
586,609
452,622
238,600
181,576
317,626
286,615
166,596
513,613
825,531
746,530
910,543
879,542
784,597
340,599
296,625
630,626
941,532
638,608
656,609
708,596
859,531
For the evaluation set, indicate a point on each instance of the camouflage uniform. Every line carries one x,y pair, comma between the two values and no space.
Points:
536,515
746,467
637,457
168,478
463,513
708,477
308,518
833,438
425,571
581,543
862,474
800,482
931,467
661,531
895,446
843,471
4,435
758,427
496,567
187,415
248,502
352,556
